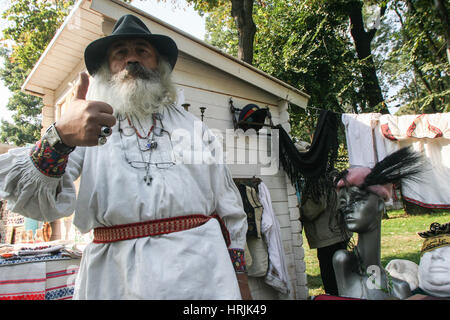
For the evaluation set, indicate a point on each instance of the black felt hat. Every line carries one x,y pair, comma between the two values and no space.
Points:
127,27
252,113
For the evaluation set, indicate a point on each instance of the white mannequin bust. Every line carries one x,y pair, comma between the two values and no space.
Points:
434,272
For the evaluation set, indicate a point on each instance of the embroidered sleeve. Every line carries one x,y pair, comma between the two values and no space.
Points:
47,160
237,258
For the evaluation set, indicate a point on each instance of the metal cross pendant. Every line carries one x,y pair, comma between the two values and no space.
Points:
148,179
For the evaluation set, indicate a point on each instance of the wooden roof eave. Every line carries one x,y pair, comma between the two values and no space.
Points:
85,10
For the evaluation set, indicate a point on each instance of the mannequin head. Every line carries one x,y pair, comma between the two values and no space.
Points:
362,191
434,266
434,272
360,210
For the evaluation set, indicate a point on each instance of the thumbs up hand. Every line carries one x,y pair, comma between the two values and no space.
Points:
81,123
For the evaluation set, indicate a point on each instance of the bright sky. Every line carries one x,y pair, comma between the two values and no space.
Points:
174,12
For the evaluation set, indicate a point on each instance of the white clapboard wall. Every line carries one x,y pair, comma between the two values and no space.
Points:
205,86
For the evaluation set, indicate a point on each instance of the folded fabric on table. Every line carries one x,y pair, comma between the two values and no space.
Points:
17,254
39,250
60,279
23,282
34,258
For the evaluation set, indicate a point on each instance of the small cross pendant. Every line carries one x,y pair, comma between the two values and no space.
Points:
148,179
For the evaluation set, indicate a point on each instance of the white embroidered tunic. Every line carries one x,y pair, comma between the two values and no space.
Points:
190,264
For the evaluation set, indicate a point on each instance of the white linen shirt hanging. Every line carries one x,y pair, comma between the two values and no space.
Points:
364,140
277,275
191,264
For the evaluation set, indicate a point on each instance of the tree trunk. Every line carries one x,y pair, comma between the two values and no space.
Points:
362,40
242,12
443,15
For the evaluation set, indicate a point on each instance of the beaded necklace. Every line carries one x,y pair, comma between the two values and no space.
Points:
150,145
137,132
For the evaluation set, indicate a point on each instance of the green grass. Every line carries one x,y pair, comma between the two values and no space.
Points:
399,240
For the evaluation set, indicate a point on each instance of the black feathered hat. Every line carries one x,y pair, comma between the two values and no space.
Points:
127,27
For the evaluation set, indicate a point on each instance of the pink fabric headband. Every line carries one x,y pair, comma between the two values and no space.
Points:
356,177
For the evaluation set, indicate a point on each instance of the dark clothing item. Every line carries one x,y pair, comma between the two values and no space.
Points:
315,164
325,256
252,219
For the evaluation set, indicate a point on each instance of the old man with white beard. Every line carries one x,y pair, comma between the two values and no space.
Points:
163,229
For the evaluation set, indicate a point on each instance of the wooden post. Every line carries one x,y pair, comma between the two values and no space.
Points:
48,111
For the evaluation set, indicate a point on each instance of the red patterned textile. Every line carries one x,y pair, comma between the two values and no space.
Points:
155,227
237,258
60,279
23,281
387,132
24,296
47,160
330,297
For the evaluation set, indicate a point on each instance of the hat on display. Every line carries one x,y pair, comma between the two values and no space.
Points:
128,27
356,177
403,164
437,237
252,113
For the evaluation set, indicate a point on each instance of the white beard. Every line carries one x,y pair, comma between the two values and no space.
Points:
133,96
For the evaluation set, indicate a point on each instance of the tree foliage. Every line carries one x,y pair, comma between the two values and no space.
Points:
411,54
241,12
32,24
345,56
306,44
326,48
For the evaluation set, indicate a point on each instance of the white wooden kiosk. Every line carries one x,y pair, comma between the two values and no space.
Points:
207,78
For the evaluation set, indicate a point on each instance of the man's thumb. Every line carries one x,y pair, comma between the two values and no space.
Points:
82,87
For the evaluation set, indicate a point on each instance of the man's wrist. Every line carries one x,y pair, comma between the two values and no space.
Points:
54,139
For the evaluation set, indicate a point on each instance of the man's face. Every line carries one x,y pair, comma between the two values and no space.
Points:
127,51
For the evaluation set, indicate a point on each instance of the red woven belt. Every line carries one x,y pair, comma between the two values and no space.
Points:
155,227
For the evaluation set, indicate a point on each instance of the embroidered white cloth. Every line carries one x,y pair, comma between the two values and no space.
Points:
192,264
277,275
429,135
60,279
23,281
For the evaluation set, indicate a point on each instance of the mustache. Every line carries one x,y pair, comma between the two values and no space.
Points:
134,70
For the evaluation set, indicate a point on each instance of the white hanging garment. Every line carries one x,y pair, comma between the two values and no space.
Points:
364,141
428,134
277,275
